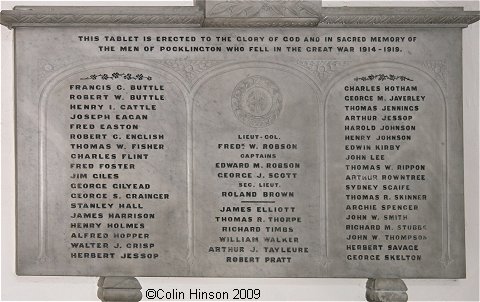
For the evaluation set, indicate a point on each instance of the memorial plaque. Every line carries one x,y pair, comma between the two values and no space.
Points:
266,152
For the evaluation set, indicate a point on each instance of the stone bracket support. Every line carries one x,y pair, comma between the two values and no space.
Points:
386,290
125,289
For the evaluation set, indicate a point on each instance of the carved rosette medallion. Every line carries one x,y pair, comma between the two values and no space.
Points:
256,101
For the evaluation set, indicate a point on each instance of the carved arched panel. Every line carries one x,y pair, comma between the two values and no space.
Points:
386,132
112,170
256,152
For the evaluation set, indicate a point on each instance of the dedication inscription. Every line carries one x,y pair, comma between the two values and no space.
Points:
219,152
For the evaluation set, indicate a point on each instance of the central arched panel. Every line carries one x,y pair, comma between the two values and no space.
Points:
256,151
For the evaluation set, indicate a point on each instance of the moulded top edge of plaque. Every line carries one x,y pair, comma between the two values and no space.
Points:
239,14
115,10
75,16
398,17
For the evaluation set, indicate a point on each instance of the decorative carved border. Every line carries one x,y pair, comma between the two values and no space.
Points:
13,20
323,69
411,16
438,69
382,77
190,70
105,16
265,13
270,9
261,22
381,20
